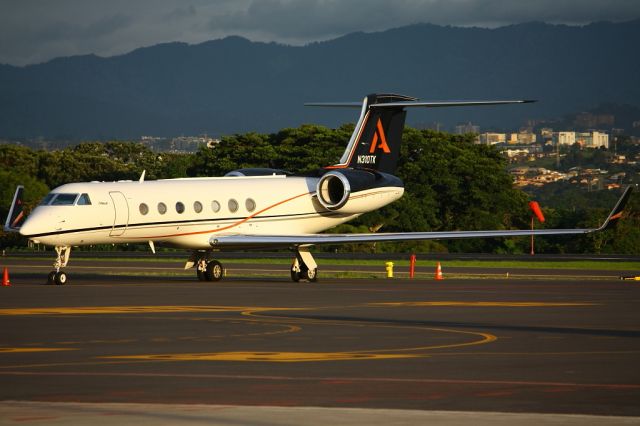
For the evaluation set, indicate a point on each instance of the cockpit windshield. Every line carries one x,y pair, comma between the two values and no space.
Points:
60,199
46,200
64,200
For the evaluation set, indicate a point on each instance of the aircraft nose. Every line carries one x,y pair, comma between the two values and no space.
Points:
27,228
36,223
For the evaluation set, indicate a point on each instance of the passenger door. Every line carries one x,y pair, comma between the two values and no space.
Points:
121,213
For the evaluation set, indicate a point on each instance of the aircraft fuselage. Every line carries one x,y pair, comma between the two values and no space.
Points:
188,212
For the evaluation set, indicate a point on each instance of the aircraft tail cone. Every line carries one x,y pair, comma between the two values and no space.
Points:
5,277
439,275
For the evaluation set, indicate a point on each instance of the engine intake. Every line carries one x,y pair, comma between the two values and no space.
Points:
333,190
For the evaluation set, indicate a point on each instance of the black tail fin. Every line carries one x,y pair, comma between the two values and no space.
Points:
16,212
375,142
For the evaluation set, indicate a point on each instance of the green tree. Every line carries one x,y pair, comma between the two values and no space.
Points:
19,159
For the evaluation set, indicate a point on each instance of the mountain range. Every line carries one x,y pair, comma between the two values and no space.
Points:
234,85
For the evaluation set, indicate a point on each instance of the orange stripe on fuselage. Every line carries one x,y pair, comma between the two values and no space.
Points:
211,231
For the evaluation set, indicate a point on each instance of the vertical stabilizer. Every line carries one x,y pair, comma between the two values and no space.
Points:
375,142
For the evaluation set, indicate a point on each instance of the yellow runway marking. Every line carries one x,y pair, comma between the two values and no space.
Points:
23,350
486,304
371,354
92,310
290,324
265,356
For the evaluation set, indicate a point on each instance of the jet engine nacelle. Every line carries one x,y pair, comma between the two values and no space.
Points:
335,188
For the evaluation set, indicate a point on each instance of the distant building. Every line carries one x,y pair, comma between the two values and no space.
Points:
584,139
565,138
525,137
512,153
546,133
489,138
600,139
593,139
462,129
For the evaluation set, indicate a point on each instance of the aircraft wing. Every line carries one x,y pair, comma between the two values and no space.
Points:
222,241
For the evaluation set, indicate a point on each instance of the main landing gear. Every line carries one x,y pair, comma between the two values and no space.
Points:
206,269
304,267
59,277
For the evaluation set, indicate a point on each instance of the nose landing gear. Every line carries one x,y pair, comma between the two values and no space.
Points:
59,277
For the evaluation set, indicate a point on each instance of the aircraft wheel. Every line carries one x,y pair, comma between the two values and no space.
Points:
202,275
215,271
51,278
295,276
311,275
60,278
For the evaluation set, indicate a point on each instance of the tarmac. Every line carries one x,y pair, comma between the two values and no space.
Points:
119,344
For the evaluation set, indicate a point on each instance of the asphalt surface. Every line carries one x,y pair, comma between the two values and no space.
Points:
423,347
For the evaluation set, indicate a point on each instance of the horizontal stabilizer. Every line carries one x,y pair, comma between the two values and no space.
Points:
411,104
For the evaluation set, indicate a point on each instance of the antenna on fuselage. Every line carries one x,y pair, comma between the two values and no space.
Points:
142,176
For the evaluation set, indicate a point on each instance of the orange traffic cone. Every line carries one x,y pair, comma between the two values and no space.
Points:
439,272
5,277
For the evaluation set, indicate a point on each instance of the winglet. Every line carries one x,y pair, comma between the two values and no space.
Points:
617,211
16,213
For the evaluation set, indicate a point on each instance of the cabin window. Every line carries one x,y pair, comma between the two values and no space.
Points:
84,200
250,204
215,206
233,205
197,206
64,200
162,208
144,209
179,207
46,200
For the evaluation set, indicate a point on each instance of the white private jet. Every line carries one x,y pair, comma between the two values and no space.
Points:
250,208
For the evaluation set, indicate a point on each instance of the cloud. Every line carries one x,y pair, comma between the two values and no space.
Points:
304,20
37,30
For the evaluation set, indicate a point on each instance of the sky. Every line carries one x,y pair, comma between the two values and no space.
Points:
34,31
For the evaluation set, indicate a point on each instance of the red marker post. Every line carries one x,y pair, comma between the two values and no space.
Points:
537,213
412,265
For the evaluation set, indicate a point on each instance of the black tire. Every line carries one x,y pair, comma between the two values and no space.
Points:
51,278
60,278
295,276
310,275
202,275
215,271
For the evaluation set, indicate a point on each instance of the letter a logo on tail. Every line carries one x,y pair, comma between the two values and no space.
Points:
379,140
